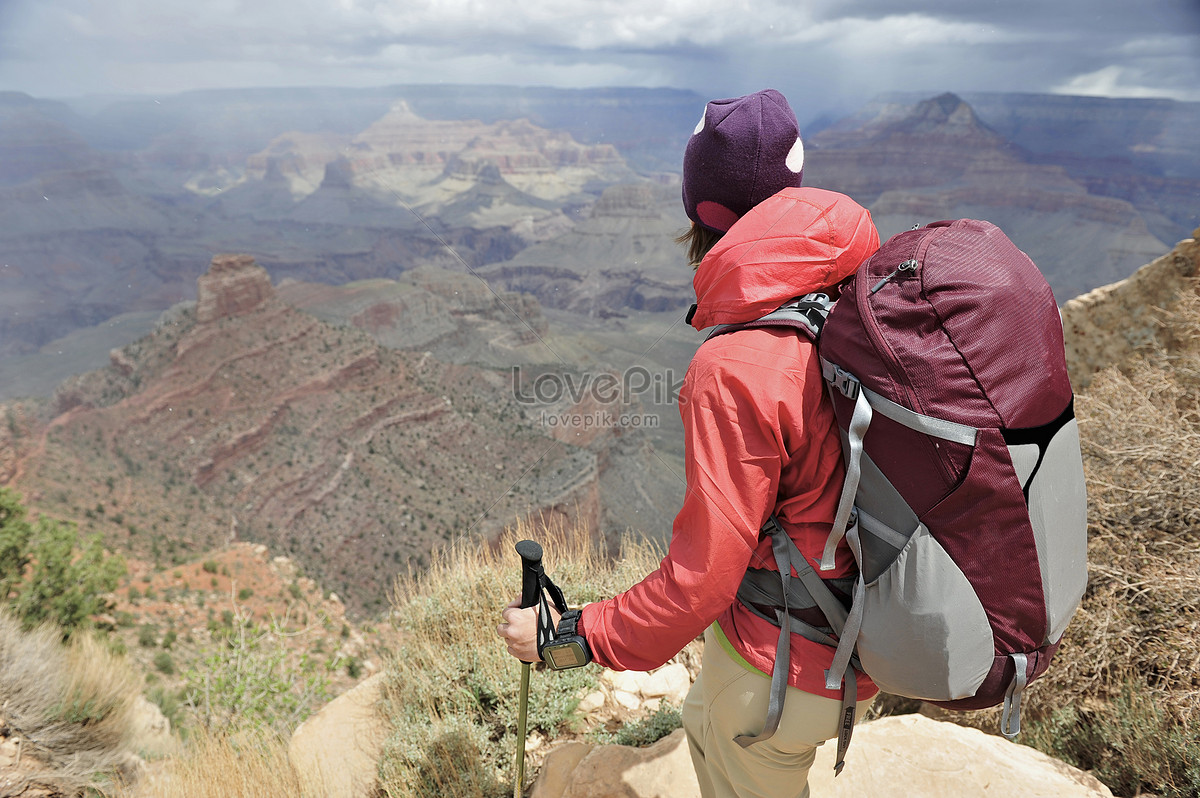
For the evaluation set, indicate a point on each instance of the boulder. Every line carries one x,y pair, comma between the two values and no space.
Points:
578,770
906,756
1107,326
150,730
339,746
912,755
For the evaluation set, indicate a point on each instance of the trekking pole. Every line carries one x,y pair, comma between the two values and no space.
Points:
531,572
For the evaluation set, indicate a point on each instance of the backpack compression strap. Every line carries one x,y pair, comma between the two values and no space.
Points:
787,557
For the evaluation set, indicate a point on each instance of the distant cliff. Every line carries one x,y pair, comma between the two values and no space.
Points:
621,257
913,163
107,207
90,233
1139,150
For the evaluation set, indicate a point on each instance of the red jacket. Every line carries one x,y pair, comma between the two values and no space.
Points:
760,439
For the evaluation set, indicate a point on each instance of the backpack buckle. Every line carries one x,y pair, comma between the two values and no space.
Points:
843,381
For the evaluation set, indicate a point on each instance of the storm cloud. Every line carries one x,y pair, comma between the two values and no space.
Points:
827,54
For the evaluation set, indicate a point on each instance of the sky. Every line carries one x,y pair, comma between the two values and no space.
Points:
824,54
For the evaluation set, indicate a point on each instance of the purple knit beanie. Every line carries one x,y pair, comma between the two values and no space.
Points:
744,150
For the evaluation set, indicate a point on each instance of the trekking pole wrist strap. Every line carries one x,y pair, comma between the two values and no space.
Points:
545,620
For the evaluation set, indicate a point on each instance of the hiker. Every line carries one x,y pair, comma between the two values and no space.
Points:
761,442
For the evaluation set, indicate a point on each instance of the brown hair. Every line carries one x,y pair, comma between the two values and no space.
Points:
698,241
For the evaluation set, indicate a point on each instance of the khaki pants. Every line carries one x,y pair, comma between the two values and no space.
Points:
726,700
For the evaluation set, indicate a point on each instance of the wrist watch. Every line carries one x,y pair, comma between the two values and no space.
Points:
567,649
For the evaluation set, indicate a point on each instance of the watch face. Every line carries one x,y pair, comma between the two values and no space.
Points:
569,655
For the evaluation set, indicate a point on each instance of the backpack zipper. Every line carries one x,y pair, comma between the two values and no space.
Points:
906,266
897,373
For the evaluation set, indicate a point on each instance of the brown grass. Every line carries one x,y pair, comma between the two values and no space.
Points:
1140,621
71,705
1122,697
222,766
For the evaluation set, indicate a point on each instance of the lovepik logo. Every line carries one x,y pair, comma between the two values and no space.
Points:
637,382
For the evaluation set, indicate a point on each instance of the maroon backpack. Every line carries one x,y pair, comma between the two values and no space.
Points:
964,501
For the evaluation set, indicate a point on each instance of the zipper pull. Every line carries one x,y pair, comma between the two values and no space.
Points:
906,266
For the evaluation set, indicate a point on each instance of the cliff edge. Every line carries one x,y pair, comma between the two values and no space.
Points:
1109,325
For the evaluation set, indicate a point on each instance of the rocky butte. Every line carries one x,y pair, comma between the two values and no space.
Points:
234,285
914,164
244,418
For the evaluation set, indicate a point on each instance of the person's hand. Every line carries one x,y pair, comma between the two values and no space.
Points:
519,630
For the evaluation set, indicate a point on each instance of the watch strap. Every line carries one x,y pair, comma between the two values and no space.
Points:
568,624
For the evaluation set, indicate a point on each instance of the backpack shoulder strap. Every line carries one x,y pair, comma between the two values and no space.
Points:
806,314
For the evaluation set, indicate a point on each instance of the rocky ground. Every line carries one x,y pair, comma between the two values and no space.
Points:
169,619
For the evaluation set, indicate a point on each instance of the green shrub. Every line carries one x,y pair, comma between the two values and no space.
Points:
48,573
1131,744
249,683
644,732
164,664
210,566
147,635
451,765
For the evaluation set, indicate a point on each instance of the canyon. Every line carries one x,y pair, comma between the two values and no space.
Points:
112,207
307,318
242,418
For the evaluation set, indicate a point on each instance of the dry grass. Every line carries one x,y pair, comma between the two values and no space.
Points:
1141,439
1123,696
222,766
451,696
71,705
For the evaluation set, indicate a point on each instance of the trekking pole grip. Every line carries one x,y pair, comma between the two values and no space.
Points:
531,571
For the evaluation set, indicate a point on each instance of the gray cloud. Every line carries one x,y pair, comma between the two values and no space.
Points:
828,54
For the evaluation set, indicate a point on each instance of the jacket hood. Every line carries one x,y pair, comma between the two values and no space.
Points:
792,243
